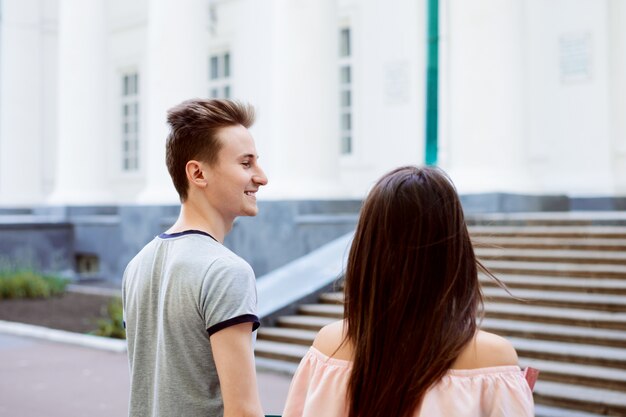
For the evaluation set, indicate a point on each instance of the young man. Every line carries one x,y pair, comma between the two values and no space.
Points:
189,302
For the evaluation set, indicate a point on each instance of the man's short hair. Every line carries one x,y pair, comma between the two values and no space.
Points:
194,125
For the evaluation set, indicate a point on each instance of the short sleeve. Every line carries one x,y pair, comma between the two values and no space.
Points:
229,295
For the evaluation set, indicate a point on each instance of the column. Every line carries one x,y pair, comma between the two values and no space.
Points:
81,171
483,104
304,160
21,115
176,70
568,96
617,65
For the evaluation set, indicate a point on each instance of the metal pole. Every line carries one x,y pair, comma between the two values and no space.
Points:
432,82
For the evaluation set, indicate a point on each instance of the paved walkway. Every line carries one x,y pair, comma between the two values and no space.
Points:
40,378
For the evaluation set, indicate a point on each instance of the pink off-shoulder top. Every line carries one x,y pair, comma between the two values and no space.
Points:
318,389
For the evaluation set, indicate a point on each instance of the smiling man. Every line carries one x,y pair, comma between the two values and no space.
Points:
189,302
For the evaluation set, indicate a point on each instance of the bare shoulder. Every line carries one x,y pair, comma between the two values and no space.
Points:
486,350
329,341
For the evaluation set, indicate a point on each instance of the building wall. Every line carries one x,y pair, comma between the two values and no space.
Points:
531,97
55,239
389,89
484,104
126,49
617,91
568,102
531,93
28,118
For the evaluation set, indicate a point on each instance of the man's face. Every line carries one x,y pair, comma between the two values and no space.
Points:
236,175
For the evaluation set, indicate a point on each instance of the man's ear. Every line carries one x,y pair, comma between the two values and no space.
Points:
197,173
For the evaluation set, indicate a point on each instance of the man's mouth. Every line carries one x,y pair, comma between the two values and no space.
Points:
250,193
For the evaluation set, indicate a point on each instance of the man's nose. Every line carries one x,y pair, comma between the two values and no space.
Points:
260,177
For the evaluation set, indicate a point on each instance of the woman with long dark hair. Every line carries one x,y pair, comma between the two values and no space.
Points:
409,344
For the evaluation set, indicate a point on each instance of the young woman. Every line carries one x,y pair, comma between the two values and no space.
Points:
409,344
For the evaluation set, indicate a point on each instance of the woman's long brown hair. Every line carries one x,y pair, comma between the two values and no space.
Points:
411,291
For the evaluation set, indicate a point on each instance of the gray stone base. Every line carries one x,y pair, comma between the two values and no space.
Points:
59,238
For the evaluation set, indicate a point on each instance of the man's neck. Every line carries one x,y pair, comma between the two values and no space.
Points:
205,219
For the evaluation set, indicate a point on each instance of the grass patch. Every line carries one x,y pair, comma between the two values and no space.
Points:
26,283
113,324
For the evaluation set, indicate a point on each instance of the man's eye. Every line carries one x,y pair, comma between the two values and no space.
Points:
246,164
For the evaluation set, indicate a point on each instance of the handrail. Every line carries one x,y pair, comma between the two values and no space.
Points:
303,276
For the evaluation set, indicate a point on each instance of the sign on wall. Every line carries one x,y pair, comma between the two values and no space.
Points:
575,57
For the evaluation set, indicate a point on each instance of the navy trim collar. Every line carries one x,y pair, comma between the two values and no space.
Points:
184,233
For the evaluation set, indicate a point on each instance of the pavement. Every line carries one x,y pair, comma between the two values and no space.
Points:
45,373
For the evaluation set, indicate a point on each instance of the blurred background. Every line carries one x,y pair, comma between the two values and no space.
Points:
522,102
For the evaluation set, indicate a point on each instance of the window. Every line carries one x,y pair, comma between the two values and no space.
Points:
87,264
219,75
130,122
345,91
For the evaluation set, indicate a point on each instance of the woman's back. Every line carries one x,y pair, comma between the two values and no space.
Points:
484,380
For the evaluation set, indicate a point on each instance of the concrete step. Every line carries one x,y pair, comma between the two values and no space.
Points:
279,351
578,300
553,315
553,243
544,218
576,232
332,298
582,399
587,301
519,312
302,330
557,269
586,285
322,310
552,256
304,322
585,375
573,327
555,332
287,335
571,353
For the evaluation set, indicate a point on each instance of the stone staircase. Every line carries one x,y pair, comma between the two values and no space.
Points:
566,315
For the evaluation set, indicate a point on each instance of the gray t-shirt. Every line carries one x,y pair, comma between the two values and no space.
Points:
179,290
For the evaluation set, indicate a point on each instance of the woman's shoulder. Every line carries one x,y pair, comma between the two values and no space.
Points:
486,350
331,341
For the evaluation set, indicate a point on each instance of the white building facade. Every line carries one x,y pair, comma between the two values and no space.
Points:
532,94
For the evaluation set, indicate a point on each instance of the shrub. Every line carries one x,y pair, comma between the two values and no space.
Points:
113,324
57,284
12,287
29,284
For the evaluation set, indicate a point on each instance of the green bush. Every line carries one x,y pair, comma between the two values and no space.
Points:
113,324
34,285
12,287
56,284
29,284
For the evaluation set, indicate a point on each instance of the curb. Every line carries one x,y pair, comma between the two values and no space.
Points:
84,289
62,336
